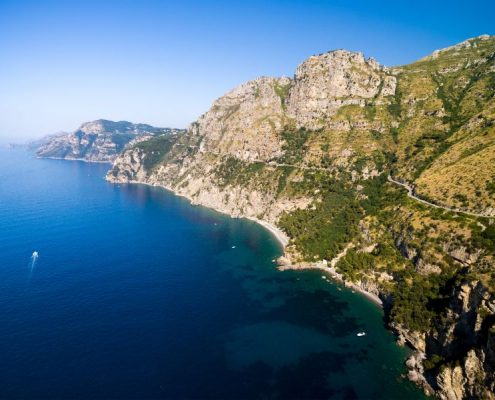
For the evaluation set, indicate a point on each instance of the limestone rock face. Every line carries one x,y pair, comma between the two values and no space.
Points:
465,381
247,125
462,254
473,368
195,180
132,167
244,122
462,336
451,383
415,339
324,83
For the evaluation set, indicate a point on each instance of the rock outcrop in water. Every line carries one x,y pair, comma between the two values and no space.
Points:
311,154
97,141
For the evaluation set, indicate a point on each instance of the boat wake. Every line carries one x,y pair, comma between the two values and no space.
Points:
32,263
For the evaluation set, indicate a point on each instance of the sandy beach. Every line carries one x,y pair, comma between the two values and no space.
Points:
281,237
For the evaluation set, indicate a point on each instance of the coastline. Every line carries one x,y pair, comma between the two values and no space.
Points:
283,240
277,233
75,159
323,266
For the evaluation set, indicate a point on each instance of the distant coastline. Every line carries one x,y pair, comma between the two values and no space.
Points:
75,159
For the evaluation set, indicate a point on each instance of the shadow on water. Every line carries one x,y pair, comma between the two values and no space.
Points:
307,378
318,310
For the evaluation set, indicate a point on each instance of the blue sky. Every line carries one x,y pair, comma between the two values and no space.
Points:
163,62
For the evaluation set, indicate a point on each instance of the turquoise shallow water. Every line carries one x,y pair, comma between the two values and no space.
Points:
138,294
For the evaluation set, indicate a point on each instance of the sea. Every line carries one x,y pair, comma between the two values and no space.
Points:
114,291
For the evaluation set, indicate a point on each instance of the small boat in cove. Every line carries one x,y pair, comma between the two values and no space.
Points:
360,334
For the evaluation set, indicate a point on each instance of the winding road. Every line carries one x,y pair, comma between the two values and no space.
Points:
409,188
410,193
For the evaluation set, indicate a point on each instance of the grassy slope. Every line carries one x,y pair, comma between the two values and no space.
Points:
446,134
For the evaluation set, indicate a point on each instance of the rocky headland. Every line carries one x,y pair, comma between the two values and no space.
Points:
96,141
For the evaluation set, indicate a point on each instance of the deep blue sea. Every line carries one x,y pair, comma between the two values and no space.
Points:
137,294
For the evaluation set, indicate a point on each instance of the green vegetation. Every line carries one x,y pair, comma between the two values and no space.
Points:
485,239
333,221
394,108
282,180
434,362
257,92
490,186
418,300
233,171
370,112
294,146
355,264
375,134
436,101
121,139
282,91
156,149
323,230
395,135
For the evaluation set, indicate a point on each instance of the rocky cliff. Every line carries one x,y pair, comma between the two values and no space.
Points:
96,141
261,128
456,358
311,154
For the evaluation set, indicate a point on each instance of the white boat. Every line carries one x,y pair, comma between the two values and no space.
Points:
360,334
233,247
35,254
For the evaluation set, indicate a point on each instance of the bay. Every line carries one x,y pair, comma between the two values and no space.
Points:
138,294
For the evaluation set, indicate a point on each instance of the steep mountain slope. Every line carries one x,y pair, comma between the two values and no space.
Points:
312,155
99,140
447,111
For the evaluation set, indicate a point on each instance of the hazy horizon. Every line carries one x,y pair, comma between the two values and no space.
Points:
164,64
